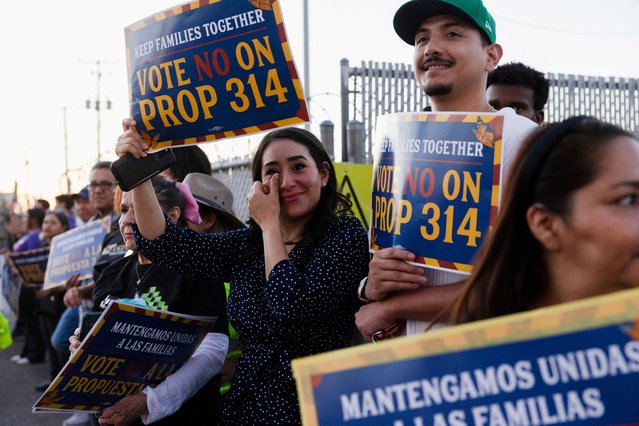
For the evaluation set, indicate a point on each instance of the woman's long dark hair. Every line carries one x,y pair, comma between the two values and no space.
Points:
510,273
331,202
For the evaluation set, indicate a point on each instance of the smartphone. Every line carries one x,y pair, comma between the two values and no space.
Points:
130,171
87,322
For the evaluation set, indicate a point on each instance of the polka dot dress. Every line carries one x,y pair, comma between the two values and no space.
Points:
307,306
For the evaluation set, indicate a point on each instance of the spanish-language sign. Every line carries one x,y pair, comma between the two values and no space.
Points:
75,252
31,265
436,185
129,348
212,69
576,363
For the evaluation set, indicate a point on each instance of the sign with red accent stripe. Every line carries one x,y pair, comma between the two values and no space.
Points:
212,69
436,185
129,347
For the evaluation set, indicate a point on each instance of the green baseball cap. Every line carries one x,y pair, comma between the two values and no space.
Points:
411,14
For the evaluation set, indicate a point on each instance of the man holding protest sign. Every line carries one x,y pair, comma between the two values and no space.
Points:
455,49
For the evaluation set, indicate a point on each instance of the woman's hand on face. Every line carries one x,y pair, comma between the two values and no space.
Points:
130,142
264,201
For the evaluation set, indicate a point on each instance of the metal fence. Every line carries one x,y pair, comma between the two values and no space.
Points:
236,175
374,89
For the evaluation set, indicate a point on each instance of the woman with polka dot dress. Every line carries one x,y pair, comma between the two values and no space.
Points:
294,271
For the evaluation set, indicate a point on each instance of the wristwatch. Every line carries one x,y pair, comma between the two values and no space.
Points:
360,291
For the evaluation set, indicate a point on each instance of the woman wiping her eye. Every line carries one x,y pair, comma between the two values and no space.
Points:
294,272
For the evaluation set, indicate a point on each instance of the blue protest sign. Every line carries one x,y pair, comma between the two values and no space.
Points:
75,252
129,348
31,265
575,363
436,183
212,69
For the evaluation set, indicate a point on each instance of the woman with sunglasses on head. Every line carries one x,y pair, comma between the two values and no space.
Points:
293,272
568,227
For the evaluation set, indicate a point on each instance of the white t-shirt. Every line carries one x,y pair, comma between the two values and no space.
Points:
516,129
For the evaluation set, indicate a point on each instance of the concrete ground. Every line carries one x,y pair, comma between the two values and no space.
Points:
17,393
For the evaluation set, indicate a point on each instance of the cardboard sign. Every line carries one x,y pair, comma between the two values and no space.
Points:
129,348
576,363
436,185
75,252
212,69
31,265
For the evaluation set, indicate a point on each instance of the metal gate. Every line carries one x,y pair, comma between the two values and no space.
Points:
374,89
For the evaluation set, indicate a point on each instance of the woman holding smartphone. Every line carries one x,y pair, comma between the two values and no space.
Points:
294,272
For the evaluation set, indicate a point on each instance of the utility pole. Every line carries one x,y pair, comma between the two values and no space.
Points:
26,179
307,79
97,103
66,152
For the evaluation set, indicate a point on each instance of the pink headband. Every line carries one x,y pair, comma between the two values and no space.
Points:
190,205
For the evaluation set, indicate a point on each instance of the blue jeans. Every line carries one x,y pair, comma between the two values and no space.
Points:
69,321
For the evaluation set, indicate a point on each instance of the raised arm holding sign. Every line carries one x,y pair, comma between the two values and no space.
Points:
205,71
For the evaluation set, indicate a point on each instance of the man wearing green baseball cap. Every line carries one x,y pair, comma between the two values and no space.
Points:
454,50
410,15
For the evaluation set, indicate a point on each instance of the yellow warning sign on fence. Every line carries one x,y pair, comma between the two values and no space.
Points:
355,182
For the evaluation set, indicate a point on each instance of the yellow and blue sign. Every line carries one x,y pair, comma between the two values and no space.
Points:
130,347
576,363
31,265
75,252
436,185
212,69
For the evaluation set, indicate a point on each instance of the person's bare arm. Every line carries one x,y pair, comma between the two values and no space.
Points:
389,271
424,304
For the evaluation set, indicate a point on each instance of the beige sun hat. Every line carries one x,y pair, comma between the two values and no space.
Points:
213,193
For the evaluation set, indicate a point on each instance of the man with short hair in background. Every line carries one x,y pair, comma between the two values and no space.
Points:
519,87
102,185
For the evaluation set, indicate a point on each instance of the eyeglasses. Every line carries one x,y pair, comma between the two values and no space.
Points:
105,184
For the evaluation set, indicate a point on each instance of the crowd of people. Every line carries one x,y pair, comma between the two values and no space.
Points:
297,279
